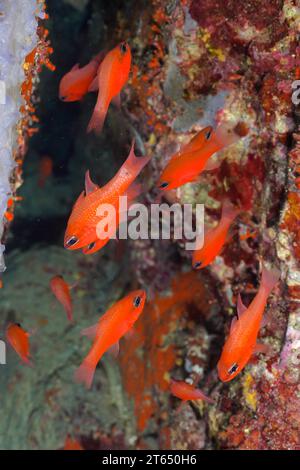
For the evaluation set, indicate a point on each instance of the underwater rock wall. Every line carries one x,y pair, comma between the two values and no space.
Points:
198,63
18,33
195,63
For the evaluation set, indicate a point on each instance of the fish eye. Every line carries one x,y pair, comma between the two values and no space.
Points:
207,135
72,241
137,301
197,265
91,246
233,368
164,185
123,47
18,324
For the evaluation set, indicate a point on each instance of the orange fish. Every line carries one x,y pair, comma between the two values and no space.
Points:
45,170
82,225
72,444
133,192
61,290
19,340
112,76
186,166
196,143
75,84
115,323
216,238
186,391
241,342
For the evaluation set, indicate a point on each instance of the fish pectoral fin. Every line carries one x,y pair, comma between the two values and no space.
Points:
114,349
262,348
240,306
90,332
116,101
94,86
263,322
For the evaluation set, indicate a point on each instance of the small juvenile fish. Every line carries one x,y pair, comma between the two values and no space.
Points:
112,76
241,342
187,165
45,170
18,338
115,323
185,392
216,238
61,290
83,221
75,84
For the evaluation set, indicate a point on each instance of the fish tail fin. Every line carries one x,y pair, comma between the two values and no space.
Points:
135,164
85,373
97,120
202,396
269,278
225,135
229,211
28,362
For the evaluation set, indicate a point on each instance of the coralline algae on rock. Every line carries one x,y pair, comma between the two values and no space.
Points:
18,37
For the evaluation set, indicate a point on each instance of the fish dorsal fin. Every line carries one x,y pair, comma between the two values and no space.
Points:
240,306
75,67
90,332
233,322
94,86
90,187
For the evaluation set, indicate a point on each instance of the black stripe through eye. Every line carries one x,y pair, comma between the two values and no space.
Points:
233,369
137,301
72,241
123,47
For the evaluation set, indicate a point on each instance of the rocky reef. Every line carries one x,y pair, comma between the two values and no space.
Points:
195,63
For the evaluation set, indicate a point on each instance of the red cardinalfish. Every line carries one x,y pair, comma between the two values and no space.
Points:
216,238
115,323
132,193
186,392
75,84
61,290
84,218
112,76
19,340
187,165
241,342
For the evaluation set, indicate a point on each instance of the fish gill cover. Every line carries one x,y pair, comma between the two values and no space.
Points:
198,69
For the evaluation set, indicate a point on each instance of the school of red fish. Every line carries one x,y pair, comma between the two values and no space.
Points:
107,73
